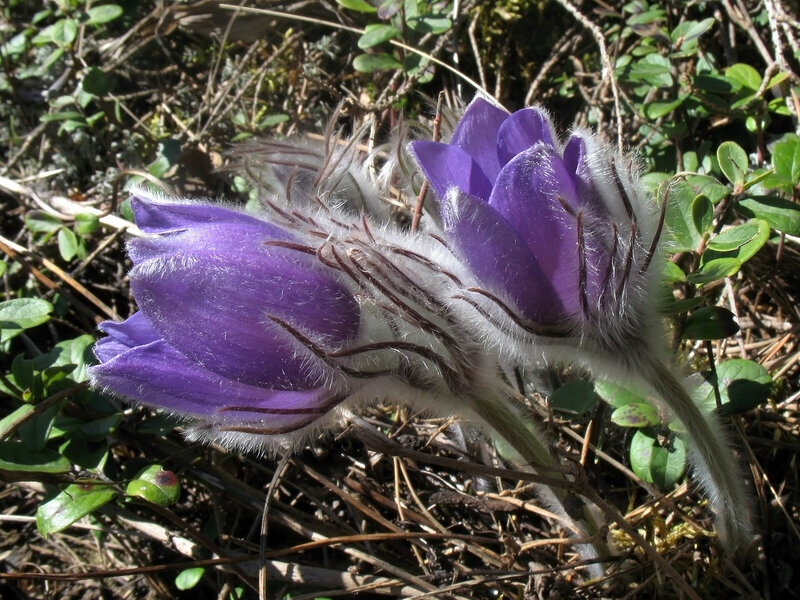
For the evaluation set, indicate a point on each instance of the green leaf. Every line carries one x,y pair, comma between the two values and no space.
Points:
357,5
40,222
659,108
70,126
86,454
743,385
682,234
702,215
425,22
188,578
375,34
737,236
15,46
617,395
715,270
74,503
20,314
155,485
646,17
654,463
779,213
733,162
14,419
689,31
272,120
412,63
48,34
64,32
67,244
636,414
75,353
672,273
86,223
99,429
705,185
16,456
740,242
710,323
574,398
670,306
653,69
745,75
60,116
715,83
104,13
96,82
786,161
368,63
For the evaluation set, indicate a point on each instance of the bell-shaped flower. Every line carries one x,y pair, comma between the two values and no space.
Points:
223,300
561,238
534,220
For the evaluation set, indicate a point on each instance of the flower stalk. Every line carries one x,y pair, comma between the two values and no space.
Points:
561,244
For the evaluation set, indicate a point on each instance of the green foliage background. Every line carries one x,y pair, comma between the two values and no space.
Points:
98,96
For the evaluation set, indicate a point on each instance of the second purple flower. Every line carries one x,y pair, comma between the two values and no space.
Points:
535,221
220,296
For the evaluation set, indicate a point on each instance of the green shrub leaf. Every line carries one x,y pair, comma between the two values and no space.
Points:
72,504
20,314
655,463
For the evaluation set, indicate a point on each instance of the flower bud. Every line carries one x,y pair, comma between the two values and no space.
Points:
536,221
218,300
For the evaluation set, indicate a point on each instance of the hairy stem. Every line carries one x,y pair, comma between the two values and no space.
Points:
527,441
710,455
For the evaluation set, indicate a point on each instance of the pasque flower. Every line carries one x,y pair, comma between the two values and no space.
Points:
560,243
536,222
249,329
219,292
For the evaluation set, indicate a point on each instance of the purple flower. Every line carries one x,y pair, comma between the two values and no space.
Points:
539,224
223,300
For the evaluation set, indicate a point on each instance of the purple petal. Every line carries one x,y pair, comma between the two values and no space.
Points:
535,194
158,375
166,217
214,305
447,166
212,298
576,161
211,237
476,134
575,155
499,258
522,130
135,331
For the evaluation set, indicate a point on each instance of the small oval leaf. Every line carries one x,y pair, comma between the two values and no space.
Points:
710,323
733,162
617,395
574,398
104,13
72,504
156,485
653,463
375,34
734,237
20,314
715,270
636,414
188,578
357,5
368,63
781,214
